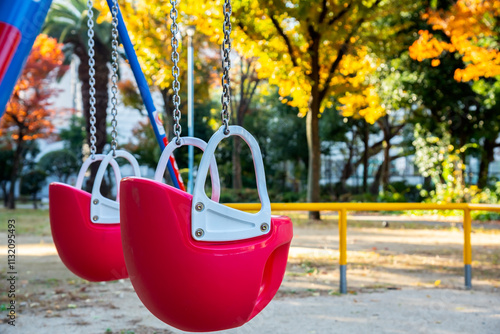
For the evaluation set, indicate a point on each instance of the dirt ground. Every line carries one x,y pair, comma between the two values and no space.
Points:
400,281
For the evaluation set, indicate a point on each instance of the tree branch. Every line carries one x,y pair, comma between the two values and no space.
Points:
340,14
342,51
252,91
285,38
323,12
340,54
396,128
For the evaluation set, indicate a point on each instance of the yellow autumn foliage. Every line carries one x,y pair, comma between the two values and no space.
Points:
365,104
285,57
470,26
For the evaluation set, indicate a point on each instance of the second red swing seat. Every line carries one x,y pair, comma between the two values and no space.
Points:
91,251
195,285
202,282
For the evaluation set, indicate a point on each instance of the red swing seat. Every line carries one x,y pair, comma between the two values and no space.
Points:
189,284
87,235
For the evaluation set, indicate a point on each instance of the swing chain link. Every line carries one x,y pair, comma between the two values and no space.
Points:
114,77
226,66
176,99
92,100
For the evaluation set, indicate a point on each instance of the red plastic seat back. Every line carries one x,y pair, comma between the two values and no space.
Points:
195,285
91,251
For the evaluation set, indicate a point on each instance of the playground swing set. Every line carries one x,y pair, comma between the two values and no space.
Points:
195,264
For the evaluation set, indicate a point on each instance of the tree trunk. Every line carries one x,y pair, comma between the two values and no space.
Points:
385,126
366,141
239,114
35,206
5,194
237,181
347,170
248,83
374,188
313,145
16,166
463,156
386,171
167,110
487,156
312,125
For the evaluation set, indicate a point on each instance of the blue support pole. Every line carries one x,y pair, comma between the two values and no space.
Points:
143,86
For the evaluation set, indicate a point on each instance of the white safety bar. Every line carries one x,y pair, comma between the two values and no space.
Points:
88,162
189,141
211,221
104,210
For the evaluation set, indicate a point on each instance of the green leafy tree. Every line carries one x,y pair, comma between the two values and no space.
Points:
285,147
61,163
459,41
74,136
444,106
440,160
144,145
32,183
489,91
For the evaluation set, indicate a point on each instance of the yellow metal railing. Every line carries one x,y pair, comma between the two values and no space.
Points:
342,209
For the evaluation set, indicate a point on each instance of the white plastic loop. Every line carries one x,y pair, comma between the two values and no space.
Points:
211,221
88,162
102,209
189,141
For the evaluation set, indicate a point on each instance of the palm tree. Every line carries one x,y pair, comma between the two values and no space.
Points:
67,21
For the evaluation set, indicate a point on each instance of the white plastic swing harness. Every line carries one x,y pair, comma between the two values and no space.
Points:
104,210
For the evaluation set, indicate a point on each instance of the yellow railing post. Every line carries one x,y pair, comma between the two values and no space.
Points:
343,249
467,249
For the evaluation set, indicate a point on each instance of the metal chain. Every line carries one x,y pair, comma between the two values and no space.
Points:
174,29
92,101
226,66
114,76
